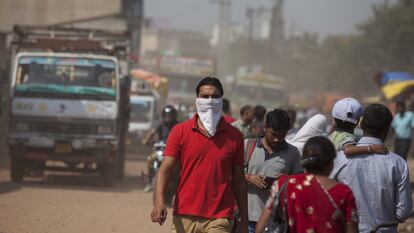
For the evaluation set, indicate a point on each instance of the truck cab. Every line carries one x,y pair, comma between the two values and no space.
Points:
66,113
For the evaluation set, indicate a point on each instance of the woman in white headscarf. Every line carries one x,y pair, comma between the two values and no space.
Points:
315,126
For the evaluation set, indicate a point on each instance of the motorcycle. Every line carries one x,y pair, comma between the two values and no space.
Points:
157,157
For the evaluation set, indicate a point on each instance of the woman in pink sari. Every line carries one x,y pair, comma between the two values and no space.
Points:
314,202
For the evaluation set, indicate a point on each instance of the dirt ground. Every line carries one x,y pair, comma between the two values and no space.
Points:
67,203
74,203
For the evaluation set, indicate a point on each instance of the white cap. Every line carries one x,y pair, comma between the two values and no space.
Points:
347,109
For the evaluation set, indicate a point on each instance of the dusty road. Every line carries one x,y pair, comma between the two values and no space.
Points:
73,203
68,203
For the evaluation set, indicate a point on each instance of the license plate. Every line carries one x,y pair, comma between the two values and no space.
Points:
63,148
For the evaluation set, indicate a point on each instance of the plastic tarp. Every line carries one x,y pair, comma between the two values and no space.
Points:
395,84
160,84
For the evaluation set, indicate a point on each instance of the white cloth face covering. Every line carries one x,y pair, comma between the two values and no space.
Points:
210,112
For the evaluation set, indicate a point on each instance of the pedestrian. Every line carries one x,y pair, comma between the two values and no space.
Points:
381,184
244,123
315,126
402,125
258,121
161,132
227,111
347,113
293,129
259,113
313,201
209,152
266,158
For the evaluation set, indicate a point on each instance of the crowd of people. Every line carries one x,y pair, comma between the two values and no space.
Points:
259,173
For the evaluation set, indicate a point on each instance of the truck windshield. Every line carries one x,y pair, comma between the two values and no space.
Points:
141,110
63,77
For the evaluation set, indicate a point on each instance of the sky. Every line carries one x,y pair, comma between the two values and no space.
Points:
324,17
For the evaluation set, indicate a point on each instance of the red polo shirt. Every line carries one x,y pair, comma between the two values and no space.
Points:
228,118
206,166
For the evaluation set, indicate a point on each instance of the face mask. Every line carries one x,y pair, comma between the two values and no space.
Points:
209,111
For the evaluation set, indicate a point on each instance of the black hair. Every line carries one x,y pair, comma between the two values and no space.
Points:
400,104
292,114
318,154
210,81
344,125
259,113
377,118
226,105
278,119
245,109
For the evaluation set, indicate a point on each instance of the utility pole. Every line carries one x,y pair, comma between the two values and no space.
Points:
251,14
276,25
133,11
222,63
250,17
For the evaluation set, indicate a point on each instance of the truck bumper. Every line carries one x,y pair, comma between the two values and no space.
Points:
78,142
89,149
84,156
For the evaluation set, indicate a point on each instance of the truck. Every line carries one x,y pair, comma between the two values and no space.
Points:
68,101
147,98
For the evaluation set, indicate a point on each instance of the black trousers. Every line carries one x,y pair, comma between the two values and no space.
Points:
402,147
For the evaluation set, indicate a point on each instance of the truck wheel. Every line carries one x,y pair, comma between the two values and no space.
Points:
120,170
17,170
108,173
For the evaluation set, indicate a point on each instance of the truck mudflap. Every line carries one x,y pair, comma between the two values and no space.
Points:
76,156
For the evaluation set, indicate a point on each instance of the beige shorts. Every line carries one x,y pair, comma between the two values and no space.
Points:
192,224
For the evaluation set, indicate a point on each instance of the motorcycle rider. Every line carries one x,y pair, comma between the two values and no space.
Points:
169,120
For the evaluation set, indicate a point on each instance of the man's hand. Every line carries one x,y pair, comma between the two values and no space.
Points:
379,149
159,214
257,180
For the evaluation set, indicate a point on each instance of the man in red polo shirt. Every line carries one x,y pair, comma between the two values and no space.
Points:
209,152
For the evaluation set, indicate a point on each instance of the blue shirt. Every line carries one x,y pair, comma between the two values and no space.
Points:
403,125
380,183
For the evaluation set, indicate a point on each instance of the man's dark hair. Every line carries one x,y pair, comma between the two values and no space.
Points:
377,118
318,154
292,114
226,105
278,119
259,113
400,104
344,125
210,81
245,109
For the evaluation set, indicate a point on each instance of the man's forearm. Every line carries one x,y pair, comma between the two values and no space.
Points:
160,186
240,193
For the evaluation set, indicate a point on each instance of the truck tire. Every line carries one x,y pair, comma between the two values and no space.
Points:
17,169
108,174
120,157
